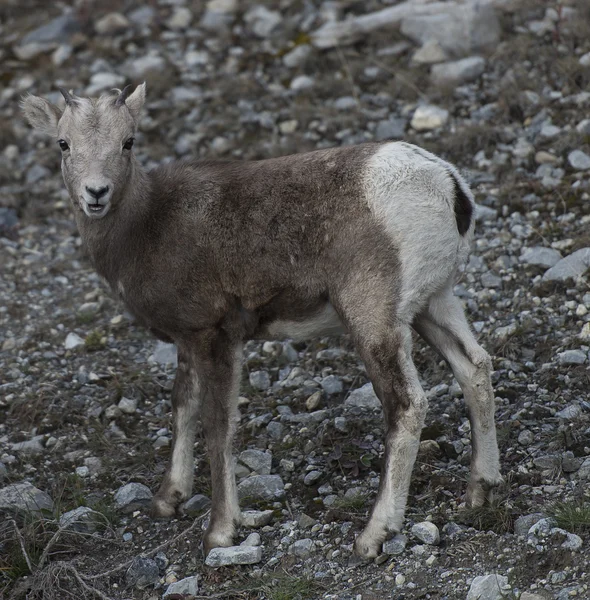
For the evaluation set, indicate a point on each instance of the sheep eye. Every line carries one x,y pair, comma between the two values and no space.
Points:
63,145
129,144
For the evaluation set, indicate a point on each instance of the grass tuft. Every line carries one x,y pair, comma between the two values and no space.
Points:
571,515
496,516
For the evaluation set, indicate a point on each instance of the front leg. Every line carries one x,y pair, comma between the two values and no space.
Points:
219,365
186,399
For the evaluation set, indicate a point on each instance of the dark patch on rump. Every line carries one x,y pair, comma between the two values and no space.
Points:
463,207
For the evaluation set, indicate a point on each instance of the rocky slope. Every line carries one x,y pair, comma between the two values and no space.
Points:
85,393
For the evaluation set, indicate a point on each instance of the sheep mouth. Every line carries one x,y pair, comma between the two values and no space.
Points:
95,209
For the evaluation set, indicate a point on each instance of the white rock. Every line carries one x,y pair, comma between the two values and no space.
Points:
262,21
73,340
570,267
180,19
234,555
189,586
363,397
100,82
111,23
82,519
458,71
487,587
428,116
301,82
24,498
132,496
585,59
256,518
426,532
579,160
165,354
128,405
252,540
540,256
297,56
430,53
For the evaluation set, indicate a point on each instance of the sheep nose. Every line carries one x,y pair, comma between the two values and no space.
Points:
97,193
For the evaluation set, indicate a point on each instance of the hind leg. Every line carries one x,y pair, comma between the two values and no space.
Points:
385,345
444,326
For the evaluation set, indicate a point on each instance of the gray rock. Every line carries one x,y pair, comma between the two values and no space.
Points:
128,405
540,256
24,497
396,545
142,573
234,555
141,67
8,217
180,19
262,22
392,128
302,548
297,56
301,82
573,542
570,463
189,586
311,477
542,527
427,532
523,524
570,267
572,357
81,519
584,471
256,518
260,380
195,506
305,521
345,103
487,587
275,430
111,24
253,539
3,471
363,397
428,116
37,173
165,354
257,460
142,16
460,31
100,82
54,31
332,385
30,447
262,487
457,72
489,280
73,340
485,213
430,53
571,412
132,496
579,160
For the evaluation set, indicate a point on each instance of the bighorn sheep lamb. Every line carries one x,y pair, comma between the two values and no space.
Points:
208,254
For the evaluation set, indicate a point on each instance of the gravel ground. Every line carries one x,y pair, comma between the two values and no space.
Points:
85,393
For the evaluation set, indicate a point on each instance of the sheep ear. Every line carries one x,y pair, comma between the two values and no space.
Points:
41,114
135,101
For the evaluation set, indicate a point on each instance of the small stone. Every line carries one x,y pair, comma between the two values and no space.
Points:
262,22
570,267
312,477
24,498
196,505
579,160
426,532
127,405
428,117
82,471
165,354
392,128
540,256
145,65
298,56
112,412
396,545
260,380
287,127
523,524
305,521
430,53
363,397
570,463
488,587
275,430
584,470
111,23
131,497
257,460
573,542
572,357
526,438
234,555
457,72
302,548
256,518
252,540
93,464
180,19
301,82
262,487
345,103
313,401
185,588
332,385
32,446
341,424
73,340
571,412
491,281
142,572
81,519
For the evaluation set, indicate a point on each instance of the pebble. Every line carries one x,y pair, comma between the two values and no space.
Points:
457,72
180,19
579,160
81,519
332,385
252,540
572,357
131,497
301,82
257,461
390,129
428,117
571,412
111,23
25,498
298,56
256,518
363,397
302,548
165,354
396,545
311,477
570,267
195,506
488,587
540,256
260,380
262,487
523,524
185,588
127,405
142,573
426,532
234,555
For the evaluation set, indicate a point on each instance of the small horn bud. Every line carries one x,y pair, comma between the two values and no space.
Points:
123,95
67,96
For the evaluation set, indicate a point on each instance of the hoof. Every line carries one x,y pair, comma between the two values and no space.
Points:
481,492
162,509
216,540
367,548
